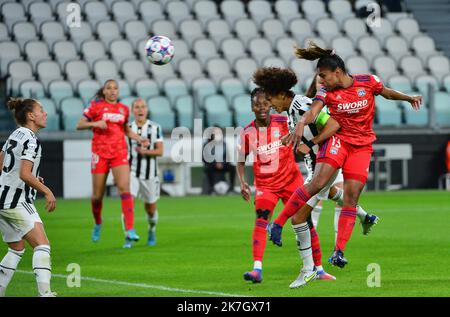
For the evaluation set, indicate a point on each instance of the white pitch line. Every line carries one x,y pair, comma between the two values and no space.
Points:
142,285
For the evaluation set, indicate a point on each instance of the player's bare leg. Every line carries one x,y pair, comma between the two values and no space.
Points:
9,264
152,217
98,191
352,191
121,175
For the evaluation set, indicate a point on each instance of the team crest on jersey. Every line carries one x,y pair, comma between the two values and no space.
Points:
361,92
334,150
121,111
259,193
277,134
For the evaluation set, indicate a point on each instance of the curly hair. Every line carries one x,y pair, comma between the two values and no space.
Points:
327,57
274,80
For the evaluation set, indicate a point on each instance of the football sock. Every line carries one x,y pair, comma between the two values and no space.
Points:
345,227
315,244
361,213
42,268
315,214
153,221
303,236
319,268
339,197
297,200
257,265
259,239
337,213
97,210
127,210
7,268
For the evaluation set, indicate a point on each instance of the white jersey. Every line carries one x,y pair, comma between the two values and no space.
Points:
22,144
144,167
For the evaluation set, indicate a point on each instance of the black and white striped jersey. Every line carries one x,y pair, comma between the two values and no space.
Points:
22,144
144,167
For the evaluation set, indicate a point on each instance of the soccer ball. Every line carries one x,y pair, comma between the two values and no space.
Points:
221,188
159,50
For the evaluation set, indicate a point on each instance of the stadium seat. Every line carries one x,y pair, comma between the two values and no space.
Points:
328,29
233,49
369,48
151,11
397,47
190,69
76,71
184,105
205,49
54,4
285,48
218,69
302,68
343,46
128,101
81,34
287,10
93,51
260,48
385,67
206,11
201,88
446,83
388,112
133,70
439,66
246,30
52,114
135,31
162,73
231,87
190,31
123,11
32,89
243,110
161,112
408,28
178,11
108,31
412,66
87,89
24,32
232,11
273,30
400,83
300,29
146,88
121,50
60,89
357,65
394,17
109,3
340,10
217,111
259,11
274,62
105,69
424,47
36,51
71,112
191,3
354,28
422,83
96,11
174,88
12,13
245,67
39,13
182,51
52,32
9,51
18,71
218,30
64,51
314,10
165,27
62,14
442,107
413,117
48,71
4,34
383,31
124,89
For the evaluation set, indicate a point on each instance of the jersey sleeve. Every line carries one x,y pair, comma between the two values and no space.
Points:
321,95
377,85
30,150
4,147
91,112
159,134
322,119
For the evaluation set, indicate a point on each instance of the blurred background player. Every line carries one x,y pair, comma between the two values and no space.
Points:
351,101
276,177
108,120
20,160
145,182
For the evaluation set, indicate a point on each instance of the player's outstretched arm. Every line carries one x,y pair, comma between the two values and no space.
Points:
85,124
393,94
28,178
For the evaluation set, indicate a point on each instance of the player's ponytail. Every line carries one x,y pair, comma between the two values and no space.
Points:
327,57
20,108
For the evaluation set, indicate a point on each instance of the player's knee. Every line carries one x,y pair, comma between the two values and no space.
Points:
96,199
262,213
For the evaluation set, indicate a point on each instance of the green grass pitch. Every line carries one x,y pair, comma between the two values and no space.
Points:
204,247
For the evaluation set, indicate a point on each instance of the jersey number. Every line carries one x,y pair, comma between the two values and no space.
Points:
11,146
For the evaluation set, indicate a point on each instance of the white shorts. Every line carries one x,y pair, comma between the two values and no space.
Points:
147,190
335,179
17,222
